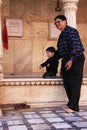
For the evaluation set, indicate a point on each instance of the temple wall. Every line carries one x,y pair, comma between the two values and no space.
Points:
82,25
35,92
27,52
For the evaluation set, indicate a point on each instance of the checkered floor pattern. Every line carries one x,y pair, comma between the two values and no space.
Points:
43,119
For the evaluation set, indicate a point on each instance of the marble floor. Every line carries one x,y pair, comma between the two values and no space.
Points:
43,119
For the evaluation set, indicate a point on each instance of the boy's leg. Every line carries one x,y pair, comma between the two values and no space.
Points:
49,75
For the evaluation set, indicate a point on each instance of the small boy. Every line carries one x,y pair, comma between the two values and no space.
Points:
51,63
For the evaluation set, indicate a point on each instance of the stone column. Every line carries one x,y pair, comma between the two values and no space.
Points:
1,48
70,9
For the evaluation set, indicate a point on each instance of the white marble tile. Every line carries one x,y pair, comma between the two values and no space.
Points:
84,129
80,124
9,122
45,111
15,122
34,121
55,119
49,115
40,127
73,118
66,114
22,127
59,111
31,116
61,125
26,113
0,123
82,113
85,117
1,128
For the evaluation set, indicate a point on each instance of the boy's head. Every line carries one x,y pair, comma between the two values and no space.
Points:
50,52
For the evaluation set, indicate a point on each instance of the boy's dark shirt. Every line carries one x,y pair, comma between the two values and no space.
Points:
51,65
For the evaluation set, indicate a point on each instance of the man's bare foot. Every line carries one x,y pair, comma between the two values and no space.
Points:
64,107
69,110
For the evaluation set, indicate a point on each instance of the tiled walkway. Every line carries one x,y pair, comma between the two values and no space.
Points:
43,119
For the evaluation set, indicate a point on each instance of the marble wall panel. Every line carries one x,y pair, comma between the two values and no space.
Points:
82,3
27,30
52,12
26,9
37,54
17,8
83,34
81,14
45,10
22,56
8,58
33,11
40,29
82,30
85,66
5,8
38,94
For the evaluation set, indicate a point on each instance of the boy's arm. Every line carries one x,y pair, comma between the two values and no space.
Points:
44,64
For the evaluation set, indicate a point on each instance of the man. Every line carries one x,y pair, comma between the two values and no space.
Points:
70,49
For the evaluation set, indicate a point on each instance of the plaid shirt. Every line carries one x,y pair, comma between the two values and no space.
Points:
69,43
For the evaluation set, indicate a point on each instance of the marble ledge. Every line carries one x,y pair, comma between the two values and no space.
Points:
30,81
33,81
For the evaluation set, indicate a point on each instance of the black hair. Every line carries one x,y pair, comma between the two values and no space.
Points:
62,17
51,49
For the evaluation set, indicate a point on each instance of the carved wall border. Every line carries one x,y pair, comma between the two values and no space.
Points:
34,82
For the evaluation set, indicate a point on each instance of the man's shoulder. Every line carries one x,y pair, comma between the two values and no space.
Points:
69,28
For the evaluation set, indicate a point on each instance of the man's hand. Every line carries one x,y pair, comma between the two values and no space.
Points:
68,64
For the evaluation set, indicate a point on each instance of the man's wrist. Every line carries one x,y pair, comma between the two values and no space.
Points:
72,59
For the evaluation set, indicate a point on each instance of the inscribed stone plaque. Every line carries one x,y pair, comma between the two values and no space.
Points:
14,27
